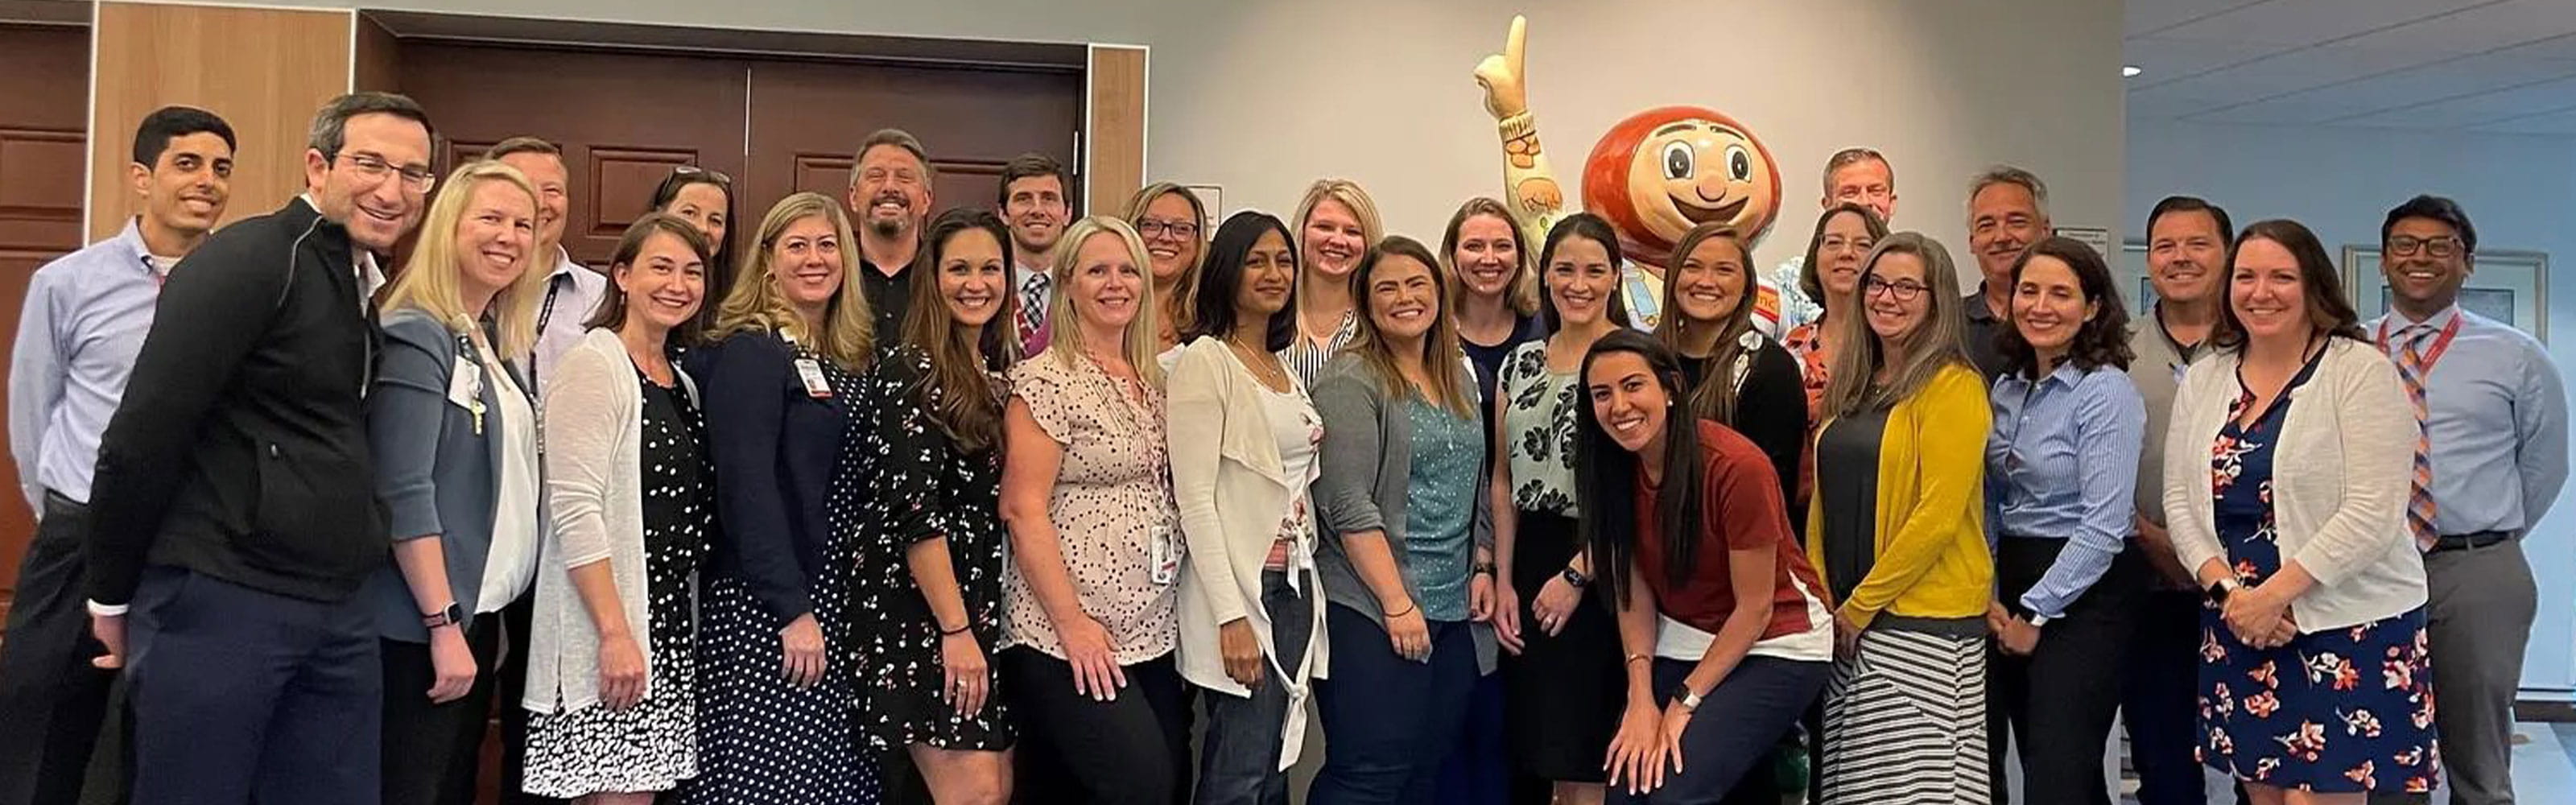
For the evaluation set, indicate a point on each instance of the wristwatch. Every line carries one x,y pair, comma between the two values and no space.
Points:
1684,696
453,615
2218,591
1574,578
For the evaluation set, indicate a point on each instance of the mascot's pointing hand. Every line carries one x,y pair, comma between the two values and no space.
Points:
1500,74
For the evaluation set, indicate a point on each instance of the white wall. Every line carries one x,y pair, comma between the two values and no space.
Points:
1264,96
2519,190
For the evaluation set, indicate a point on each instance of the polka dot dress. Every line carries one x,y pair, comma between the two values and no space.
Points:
923,486
651,746
762,740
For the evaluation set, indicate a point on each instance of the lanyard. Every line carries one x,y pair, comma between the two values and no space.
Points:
2441,344
545,313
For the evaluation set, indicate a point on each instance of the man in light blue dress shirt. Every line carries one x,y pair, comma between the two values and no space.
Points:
84,320
2497,424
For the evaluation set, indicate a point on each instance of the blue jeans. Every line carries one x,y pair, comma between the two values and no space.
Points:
1736,727
1389,721
1239,754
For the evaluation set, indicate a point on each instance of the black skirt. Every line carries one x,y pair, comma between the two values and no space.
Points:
1563,694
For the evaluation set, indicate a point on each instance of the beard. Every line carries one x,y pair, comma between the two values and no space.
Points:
889,227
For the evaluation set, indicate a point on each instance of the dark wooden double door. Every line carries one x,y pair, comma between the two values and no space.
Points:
777,126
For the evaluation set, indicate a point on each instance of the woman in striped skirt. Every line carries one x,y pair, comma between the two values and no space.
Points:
1894,526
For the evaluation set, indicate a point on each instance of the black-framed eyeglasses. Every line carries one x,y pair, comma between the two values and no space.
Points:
1182,230
1903,291
2408,245
416,177
711,174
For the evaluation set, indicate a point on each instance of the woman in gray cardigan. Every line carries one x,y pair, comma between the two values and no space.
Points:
1407,558
455,441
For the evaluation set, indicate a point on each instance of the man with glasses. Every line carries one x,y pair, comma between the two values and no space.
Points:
85,318
2490,457
1033,202
234,506
889,198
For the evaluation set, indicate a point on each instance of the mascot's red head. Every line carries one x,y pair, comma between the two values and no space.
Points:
1664,170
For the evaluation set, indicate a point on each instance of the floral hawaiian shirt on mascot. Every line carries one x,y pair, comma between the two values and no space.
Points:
1653,176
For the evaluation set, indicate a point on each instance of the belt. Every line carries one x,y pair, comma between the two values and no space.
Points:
2471,540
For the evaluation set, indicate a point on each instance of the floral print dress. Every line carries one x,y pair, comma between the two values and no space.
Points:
2333,711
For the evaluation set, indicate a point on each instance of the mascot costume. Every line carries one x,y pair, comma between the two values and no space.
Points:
1653,176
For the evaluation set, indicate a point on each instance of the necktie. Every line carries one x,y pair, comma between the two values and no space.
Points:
1033,313
2419,500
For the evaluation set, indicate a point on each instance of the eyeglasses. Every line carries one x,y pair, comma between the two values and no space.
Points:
2407,246
1180,230
375,168
1905,291
716,176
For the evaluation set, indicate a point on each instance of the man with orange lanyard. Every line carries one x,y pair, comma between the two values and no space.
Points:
2491,457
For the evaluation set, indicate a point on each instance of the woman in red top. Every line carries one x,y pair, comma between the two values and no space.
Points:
1718,610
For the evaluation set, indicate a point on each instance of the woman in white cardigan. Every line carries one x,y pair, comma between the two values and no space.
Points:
1244,449
612,668
2314,679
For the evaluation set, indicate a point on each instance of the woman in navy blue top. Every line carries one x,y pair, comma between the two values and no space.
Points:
782,386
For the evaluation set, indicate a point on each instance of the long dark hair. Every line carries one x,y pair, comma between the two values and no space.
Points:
1605,483
720,254
2328,312
2103,341
959,392
611,312
1592,228
1220,280
1715,396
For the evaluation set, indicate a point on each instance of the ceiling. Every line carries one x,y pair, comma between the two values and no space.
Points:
2494,66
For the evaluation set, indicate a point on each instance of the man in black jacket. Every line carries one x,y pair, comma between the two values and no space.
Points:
234,512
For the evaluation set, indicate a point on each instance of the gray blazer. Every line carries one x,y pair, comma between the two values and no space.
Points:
1367,476
435,475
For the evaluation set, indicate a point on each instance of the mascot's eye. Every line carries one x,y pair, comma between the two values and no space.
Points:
1739,164
1677,161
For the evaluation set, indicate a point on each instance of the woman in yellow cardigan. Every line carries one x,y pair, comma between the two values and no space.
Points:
1894,526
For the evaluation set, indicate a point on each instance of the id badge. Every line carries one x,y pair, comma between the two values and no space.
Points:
465,383
810,372
1165,554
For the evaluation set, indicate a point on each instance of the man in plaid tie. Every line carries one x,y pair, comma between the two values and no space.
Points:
1033,203
2490,457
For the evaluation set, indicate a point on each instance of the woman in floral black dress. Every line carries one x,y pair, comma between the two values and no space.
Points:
930,577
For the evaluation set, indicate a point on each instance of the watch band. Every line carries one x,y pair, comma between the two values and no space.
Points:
1574,578
453,615
1687,698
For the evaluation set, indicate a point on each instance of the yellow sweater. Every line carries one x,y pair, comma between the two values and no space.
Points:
1931,538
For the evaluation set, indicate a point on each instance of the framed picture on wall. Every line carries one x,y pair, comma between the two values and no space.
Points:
2133,263
2505,285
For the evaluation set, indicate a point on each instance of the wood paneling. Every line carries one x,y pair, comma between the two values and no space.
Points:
807,119
623,120
151,56
377,56
1115,145
44,107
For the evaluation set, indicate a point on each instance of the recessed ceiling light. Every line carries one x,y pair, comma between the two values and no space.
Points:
2130,71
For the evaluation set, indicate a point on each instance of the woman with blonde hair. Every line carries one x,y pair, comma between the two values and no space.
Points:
1089,609
454,433
793,340
1336,223
1896,527
1168,217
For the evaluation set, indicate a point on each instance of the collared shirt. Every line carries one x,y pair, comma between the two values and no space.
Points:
572,294
888,297
2062,463
84,321
2498,424
1036,289
1642,293
2156,371
1980,336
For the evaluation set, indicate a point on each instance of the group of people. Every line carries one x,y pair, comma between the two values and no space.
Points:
1002,504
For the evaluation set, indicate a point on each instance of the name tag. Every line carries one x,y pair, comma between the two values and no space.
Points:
465,383
810,372
1166,555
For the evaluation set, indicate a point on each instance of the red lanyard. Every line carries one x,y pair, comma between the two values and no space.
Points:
2441,344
